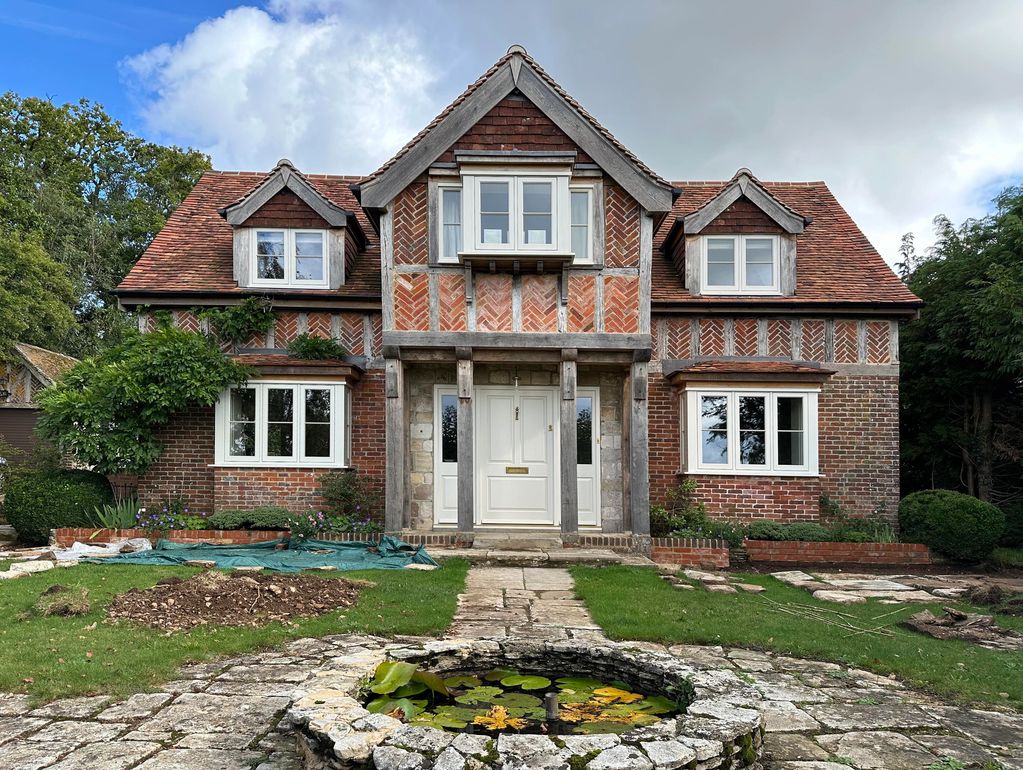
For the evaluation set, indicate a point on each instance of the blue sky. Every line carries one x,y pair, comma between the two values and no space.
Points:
906,109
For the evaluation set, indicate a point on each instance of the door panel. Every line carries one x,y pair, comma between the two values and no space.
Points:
517,473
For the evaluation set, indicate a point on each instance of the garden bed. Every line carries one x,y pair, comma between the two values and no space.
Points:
812,552
66,536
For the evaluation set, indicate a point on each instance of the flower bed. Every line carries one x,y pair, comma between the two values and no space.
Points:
66,536
816,552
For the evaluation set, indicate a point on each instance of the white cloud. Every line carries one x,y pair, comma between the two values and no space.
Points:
251,87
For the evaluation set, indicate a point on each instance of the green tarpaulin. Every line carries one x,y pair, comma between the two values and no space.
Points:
294,556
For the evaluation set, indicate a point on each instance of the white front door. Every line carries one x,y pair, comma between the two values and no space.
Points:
516,455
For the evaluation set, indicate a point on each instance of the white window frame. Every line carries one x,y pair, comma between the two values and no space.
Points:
340,427
289,280
739,286
441,189
692,432
561,235
591,222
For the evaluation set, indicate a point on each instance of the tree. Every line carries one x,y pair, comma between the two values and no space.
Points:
35,293
962,360
108,408
94,194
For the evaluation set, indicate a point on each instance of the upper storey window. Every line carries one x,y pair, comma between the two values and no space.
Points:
290,258
740,264
531,214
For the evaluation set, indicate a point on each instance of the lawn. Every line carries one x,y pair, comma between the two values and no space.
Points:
1008,558
634,603
51,657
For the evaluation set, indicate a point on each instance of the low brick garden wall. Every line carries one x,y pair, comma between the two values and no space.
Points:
802,552
690,552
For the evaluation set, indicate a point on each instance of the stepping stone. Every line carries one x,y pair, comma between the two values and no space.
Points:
704,577
881,749
750,588
720,588
839,597
793,576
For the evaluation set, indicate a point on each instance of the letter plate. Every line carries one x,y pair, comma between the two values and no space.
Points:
516,470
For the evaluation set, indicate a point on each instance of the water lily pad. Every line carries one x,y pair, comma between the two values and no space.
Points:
569,696
410,689
517,700
616,694
655,704
463,681
589,728
439,722
498,674
526,682
389,705
458,712
479,695
431,680
578,683
390,675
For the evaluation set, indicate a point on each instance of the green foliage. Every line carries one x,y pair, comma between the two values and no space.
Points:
952,523
307,525
92,196
351,500
107,408
264,517
236,323
172,513
1012,537
36,295
961,379
118,515
35,503
313,347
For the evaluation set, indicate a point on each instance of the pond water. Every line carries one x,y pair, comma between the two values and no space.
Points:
509,701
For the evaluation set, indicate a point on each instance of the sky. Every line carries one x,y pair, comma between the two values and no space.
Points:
906,109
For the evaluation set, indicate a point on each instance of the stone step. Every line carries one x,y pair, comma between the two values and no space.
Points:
555,557
516,541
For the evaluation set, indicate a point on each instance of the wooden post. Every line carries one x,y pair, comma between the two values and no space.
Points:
466,471
639,472
395,441
569,447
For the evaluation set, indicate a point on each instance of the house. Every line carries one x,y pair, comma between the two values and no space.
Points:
27,370
544,332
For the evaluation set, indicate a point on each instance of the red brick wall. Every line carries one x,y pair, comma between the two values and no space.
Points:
515,123
690,552
755,497
182,469
286,209
837,553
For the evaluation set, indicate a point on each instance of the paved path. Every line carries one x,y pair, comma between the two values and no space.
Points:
533,602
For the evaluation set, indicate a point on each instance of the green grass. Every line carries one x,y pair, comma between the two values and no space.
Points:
1008,558
634,603
61,657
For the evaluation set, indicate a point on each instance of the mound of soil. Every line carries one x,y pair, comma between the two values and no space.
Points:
233,599
63,601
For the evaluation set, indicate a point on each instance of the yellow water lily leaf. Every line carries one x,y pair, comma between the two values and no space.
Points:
499,719
614,695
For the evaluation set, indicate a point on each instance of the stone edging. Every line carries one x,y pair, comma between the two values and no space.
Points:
721,728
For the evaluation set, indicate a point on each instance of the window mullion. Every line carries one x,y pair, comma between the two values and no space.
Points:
771,424
733,431
261,424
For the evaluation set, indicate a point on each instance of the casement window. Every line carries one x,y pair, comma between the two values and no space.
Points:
289,258
582,219
750,432
276,424
450,223
740,264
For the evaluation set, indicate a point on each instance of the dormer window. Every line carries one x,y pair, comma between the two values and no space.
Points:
740,264
290,258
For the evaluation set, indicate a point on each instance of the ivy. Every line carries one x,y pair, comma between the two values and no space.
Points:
312,347
236,323
107,409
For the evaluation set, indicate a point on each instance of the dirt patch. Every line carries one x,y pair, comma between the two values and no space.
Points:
64,601
997,598
233,599
976,629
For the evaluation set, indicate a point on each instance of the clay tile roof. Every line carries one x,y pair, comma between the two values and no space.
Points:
194,250
513,51
835,263
48,364
751,367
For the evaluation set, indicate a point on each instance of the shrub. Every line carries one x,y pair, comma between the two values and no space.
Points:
37,502
236,323
349,494
765,530
681,513
265,517
959,526
806,532
313,347
1012,537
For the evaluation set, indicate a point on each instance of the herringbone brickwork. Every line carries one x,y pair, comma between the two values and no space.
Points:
812,346
539,303
878,351
319,325
712,337
779,338
494,303
745,337
678,339
621,304
846,347
621,228
451,294
582,303
350,325
410,226
411,301
285,328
